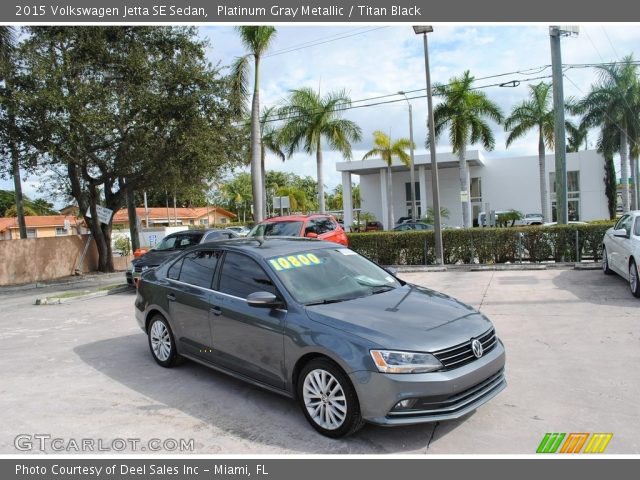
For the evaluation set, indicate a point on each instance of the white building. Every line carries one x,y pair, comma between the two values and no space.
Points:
502,183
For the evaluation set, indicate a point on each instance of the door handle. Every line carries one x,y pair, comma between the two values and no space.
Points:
171,297
217,311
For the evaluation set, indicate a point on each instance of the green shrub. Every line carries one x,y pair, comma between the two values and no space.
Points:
123,245
484,245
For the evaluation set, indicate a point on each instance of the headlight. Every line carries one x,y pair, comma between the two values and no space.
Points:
389,361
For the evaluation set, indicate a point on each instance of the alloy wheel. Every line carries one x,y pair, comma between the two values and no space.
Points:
324,399
160,341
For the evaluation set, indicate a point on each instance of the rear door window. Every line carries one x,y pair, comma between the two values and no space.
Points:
198,268
241,276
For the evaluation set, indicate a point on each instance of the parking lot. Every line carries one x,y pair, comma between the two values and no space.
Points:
83,370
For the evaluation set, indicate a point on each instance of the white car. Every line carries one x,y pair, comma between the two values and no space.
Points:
621,250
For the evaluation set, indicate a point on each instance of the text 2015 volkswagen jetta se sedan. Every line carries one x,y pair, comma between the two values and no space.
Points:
317,322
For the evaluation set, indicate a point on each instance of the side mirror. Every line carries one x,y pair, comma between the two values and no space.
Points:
263,300
311,235
620,232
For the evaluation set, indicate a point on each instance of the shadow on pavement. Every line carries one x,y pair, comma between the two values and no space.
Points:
243,411
596,288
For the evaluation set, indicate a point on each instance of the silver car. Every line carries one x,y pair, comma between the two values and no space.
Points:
317,322
621,250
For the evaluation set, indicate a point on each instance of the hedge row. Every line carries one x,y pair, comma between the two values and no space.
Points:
568,243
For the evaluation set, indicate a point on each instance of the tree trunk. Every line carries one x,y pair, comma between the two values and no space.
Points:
633,163
543,178
15,167
624,169
256,170
320,179
464,186
263,188
391,218
133,219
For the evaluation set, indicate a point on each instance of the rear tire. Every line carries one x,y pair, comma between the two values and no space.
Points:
328,399
634,282
161,342
605,262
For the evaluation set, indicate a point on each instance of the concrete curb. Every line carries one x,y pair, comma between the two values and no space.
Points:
53,300
61,282
498,267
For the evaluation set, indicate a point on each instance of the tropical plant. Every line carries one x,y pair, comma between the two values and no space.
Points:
613,104
237,193
463,111
256,40
310,118
429,217
535,113
386,150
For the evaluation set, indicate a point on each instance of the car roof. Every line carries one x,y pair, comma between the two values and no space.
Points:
270,246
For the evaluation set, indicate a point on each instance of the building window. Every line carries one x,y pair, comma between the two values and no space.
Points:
204,221
223,220
476,190
407,189
31,233
60,231
573,195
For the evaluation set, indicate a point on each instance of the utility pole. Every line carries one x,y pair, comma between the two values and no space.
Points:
412,170
555,32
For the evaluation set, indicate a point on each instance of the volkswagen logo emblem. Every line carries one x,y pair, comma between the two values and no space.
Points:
476,347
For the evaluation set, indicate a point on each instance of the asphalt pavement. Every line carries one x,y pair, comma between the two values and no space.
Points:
82,370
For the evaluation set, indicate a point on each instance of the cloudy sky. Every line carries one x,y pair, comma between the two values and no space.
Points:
373,61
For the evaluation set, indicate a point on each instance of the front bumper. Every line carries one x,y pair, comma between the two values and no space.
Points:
438,395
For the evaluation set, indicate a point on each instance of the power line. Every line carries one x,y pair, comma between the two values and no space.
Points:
320,41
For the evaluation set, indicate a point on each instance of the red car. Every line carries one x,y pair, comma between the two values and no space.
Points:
321,226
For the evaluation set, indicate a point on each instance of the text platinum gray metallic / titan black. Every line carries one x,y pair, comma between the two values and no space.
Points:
317,322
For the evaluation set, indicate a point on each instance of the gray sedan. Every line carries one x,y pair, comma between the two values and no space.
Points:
317,322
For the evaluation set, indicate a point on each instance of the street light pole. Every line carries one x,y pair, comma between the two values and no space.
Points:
435,187
412,168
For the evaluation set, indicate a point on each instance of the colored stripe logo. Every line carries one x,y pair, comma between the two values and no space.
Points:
573,442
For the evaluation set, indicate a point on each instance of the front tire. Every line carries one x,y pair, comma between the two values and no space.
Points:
161,342
605,262
328,399
634,283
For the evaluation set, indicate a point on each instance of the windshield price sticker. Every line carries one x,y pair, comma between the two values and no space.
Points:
294,261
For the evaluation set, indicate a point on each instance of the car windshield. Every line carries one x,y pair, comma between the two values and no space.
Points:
276,229
330,275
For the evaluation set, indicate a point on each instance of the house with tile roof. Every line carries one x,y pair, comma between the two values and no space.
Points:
41,226
162,216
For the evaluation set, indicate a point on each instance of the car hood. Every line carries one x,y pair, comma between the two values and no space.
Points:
407,318
153,258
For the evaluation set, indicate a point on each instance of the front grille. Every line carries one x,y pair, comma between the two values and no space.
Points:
462,354
452,405
137,269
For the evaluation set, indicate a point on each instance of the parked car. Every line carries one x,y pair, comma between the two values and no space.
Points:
621,250
373,226
406,226
570,222
530,219
319,323
240,230
172,245
320,226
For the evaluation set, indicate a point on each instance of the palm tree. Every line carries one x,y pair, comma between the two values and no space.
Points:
387,151
7,47
613,103
463,111
310,118
256,39
536,112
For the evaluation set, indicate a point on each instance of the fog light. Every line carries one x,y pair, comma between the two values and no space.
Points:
405,404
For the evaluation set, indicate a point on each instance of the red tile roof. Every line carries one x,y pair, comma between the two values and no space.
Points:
121,215
37,221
